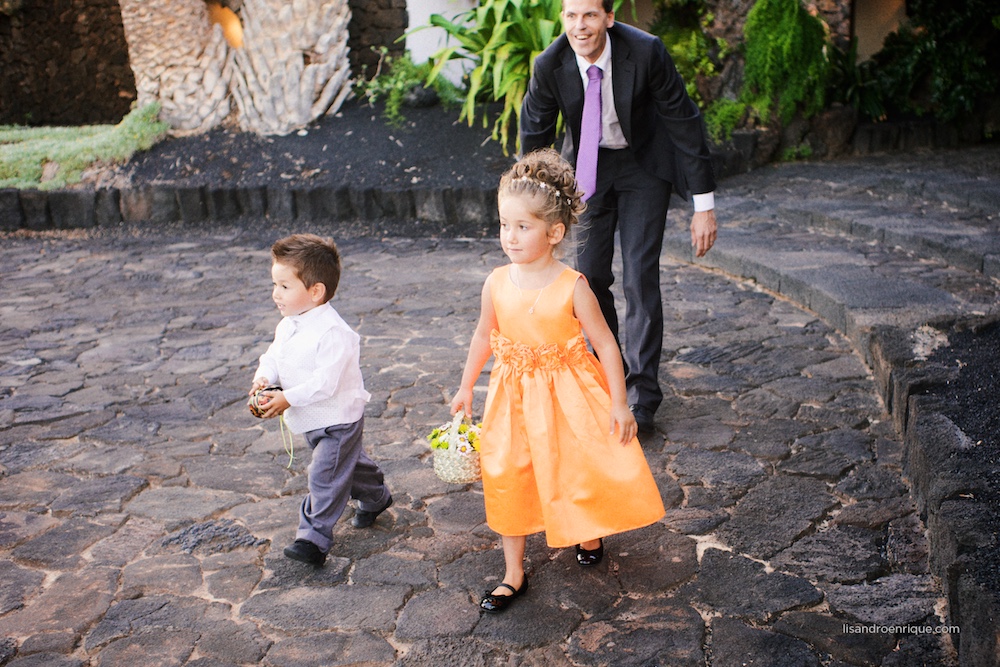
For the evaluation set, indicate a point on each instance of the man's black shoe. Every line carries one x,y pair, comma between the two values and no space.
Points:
363,519
643,418
305,551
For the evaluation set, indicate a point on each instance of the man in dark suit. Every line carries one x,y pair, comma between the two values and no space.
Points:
651,141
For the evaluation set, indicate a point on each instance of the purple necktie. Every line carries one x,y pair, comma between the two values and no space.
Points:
590,134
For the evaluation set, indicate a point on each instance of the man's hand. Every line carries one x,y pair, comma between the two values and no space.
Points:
703,231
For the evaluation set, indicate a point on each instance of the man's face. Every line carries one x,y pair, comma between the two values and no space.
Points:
586,25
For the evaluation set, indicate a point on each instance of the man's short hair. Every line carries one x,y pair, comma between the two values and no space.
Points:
608,6
314,260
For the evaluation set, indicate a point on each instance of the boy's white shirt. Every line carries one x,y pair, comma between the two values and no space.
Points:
316,358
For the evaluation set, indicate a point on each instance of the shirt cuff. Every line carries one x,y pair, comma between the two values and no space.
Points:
703,202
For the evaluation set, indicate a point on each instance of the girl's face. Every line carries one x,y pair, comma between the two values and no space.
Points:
524,237
290,294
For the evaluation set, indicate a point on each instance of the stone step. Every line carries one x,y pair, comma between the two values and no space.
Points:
853,283
950,215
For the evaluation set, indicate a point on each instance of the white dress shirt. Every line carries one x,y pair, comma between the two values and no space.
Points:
611,130
316,358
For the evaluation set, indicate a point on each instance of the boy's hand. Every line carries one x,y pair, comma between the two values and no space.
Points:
622,417
258,383
275,405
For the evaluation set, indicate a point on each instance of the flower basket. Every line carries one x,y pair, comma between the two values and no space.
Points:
456,451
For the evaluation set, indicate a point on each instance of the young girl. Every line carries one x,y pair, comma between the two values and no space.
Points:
559,452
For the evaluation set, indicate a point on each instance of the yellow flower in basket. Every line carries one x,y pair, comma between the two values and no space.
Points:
456,451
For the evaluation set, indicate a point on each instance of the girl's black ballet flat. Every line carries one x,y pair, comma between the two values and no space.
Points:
589,557
494,604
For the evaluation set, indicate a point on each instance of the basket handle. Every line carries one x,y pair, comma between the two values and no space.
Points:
456,421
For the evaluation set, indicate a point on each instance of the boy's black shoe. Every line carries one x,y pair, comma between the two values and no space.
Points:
643,418
305,551
363,519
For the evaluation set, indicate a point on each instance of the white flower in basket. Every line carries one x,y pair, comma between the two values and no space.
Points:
456,451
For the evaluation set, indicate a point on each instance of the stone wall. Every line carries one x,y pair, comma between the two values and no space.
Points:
64,62
731,15
375,23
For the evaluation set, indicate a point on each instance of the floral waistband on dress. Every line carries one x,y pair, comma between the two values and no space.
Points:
549,356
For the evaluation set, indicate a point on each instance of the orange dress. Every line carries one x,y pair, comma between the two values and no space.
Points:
549,462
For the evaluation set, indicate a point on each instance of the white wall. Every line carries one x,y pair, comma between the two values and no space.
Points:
424,43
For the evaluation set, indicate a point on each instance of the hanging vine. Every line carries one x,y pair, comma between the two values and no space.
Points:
786,59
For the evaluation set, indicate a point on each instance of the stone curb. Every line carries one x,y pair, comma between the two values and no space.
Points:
420,212
946,493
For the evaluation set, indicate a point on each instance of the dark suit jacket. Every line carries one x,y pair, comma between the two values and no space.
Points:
662,125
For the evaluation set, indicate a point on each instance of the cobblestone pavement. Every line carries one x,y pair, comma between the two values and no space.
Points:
143,510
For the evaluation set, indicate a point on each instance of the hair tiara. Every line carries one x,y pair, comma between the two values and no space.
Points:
542,184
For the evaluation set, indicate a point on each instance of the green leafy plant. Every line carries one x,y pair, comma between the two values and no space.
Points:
61,154
501,38
786,59
943,61
855,84
722,117
396,78
681,25
800,152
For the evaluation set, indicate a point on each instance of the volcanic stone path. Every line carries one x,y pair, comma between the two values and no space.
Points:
143,509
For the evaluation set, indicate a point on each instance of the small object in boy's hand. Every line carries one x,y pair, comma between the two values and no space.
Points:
258,402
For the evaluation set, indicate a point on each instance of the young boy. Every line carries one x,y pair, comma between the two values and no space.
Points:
315,358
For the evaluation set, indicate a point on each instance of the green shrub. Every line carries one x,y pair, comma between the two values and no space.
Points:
500,39
722,117
943,61
856,84
24,152
399,78
786,62
681,25
800,152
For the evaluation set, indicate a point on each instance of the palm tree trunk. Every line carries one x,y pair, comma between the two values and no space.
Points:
180,59
293,67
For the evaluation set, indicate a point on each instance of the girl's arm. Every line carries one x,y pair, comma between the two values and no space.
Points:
588,311
479,352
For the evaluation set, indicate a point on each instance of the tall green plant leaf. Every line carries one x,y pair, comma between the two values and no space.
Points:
786,59
501,39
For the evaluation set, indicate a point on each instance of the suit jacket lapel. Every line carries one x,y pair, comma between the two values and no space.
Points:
623,83
570,84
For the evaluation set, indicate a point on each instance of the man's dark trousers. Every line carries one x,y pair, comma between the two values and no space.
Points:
633,201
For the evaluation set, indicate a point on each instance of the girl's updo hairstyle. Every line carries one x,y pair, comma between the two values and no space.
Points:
549,180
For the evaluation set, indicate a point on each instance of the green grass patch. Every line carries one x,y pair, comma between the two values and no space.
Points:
69,151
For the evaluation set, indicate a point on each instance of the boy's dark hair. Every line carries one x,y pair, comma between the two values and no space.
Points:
314,260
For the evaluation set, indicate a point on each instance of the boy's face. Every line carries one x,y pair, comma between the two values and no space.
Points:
290,294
